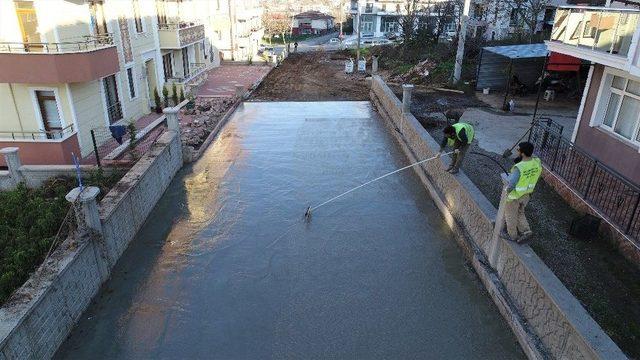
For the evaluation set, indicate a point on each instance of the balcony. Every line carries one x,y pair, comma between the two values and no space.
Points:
42,147
179,35
54,63
601,35
195,72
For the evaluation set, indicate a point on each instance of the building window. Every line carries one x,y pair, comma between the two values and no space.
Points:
49,113
137,17
622,107
367,23
114,109
185,62
132,86
368,8
167,66
514,17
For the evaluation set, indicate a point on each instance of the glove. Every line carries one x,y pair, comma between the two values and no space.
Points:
438,155
456,151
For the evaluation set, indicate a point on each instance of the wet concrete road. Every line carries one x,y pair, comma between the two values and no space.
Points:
226,268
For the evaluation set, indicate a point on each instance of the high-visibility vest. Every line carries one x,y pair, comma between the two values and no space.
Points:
468,129
530,172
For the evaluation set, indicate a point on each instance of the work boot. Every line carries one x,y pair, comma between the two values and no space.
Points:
449,168
453,171
525,238
506,236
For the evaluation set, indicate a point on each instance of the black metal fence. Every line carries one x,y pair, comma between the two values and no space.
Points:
113,147
616,197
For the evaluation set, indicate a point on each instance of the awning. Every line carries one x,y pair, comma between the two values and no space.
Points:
526,51
562,62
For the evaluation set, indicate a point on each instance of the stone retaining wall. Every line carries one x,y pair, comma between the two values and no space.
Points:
547,320
40,315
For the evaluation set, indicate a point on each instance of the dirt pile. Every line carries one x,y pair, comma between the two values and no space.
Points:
198,120
314,76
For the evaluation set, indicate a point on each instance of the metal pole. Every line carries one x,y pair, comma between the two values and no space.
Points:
479,66
506,93
462,34
544,68
359,28
95,148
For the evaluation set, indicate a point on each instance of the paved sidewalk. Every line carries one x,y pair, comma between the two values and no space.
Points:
496,131
223,80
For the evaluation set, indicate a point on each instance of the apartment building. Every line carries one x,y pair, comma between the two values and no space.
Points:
382,17
312,22
608,123
69,66
236,28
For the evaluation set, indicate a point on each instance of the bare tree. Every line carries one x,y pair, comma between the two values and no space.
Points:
409,19
531,13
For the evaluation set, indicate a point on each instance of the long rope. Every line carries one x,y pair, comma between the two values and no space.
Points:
376,179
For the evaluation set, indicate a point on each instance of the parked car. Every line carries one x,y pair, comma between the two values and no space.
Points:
375,42
334,41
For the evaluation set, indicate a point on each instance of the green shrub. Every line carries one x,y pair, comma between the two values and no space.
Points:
158,101
165,96
29,222
182,95
174,95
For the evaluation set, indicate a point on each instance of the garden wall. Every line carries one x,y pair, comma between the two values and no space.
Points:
40,315
547,320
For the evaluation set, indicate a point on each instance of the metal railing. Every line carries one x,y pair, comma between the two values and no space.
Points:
114,111
195,69
38,135
178,25
111,151
605,189
86,43
600,29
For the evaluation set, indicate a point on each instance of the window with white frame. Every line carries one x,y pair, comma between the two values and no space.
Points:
137,18
620,107
367,23
132,86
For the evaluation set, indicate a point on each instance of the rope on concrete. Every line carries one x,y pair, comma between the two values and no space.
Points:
313,208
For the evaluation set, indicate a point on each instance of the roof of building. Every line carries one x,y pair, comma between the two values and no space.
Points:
519,51
313,15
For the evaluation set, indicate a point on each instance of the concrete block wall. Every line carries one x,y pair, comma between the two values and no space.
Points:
6,182
547,320
40,315
125,209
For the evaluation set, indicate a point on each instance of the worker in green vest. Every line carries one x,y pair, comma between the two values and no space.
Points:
459,136
520,184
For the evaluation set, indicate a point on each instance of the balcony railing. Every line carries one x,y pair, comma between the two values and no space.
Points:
603,30
177,25
179,35
195,69
85,43
38,135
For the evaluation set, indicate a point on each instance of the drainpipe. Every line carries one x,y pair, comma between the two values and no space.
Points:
231,32
13,98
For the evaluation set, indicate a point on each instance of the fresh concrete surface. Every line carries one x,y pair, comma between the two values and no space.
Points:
226,267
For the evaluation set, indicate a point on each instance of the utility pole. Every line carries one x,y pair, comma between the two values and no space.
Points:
462,34
359,28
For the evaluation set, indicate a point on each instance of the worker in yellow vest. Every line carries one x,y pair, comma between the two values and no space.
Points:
521,182
459,136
